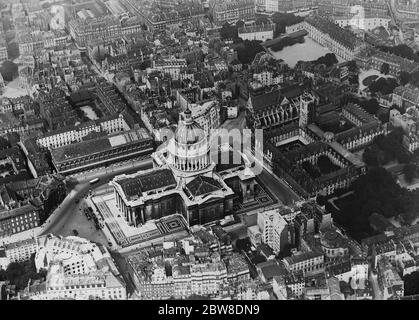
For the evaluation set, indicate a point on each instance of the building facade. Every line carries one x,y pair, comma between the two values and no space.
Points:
21,251
232,11
104,150
341,42
74,134
17,220
274,230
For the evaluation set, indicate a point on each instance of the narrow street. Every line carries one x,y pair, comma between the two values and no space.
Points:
275,185
278,188
377,291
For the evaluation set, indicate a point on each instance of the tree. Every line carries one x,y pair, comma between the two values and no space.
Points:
354,79
262,20
385,68
4,143
284,42
403,156
372,106
376,191
411,283
9,70
409,172
404,77
321,199
402,50
352,66
310,169
248,50
385,86
20,273
370,156
13,50
329,59
325,165
243,244
282,20
228,32
145,64
383,117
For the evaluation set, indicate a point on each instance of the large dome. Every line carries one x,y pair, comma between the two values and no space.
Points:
188,131
189,150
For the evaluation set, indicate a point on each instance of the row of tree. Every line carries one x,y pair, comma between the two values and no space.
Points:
283,20
385,149
374,192
21,273
286,42
247,50
402,50
329,59
383,85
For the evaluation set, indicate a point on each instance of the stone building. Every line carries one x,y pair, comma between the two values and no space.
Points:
185,180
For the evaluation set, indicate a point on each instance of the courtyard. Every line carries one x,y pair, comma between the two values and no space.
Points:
323,166
366,77
294,145
336,125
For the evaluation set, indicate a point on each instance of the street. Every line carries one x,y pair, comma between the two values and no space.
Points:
278,188
275,185
63,214
377,291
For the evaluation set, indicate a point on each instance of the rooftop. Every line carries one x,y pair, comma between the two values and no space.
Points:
100,144
271,269
134,186
202,185
302,257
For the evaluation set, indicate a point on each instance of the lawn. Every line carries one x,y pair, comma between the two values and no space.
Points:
365,74
368,80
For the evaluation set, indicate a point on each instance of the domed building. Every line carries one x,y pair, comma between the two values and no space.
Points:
188,153
333,244
184,180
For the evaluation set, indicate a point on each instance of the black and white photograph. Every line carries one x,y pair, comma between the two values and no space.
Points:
209,157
